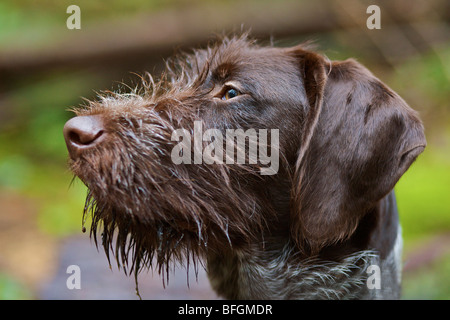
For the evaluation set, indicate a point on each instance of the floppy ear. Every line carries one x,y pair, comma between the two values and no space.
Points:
358,138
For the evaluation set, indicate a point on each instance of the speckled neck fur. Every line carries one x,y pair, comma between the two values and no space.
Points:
262,274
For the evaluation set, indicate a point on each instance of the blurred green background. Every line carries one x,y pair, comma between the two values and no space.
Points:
46,68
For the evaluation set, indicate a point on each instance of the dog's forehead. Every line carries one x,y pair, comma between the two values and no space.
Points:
260,69
252,59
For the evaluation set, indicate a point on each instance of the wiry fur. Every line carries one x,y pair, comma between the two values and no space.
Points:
308,231
145,206
289,276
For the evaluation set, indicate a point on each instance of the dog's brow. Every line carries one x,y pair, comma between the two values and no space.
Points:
224,71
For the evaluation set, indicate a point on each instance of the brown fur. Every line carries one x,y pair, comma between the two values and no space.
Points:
345,140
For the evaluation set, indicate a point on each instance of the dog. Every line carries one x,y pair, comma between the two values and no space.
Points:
320,224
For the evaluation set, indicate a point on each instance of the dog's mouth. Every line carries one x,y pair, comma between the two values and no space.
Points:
161,205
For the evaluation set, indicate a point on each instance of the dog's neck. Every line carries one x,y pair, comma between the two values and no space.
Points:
279,275
278,270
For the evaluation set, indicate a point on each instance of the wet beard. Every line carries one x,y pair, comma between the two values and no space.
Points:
138,245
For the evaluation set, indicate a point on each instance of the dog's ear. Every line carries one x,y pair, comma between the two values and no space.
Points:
357,139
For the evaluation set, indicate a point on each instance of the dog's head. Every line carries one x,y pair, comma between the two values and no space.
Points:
343,139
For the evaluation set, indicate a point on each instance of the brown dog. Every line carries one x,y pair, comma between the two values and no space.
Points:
315,219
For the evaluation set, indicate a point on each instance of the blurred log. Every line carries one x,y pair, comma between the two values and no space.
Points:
159,33
152,36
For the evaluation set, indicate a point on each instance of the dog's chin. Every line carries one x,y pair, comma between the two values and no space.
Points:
136,244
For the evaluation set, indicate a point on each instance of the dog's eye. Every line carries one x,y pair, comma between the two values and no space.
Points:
230,94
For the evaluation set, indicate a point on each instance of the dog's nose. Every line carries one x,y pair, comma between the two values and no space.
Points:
83,133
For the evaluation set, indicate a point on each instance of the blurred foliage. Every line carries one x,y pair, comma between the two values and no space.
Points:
422,195
431,283
30,23
38,112
11,289
33,154
424,82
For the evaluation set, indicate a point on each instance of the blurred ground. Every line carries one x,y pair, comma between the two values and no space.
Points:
26,253
40,262
100,282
